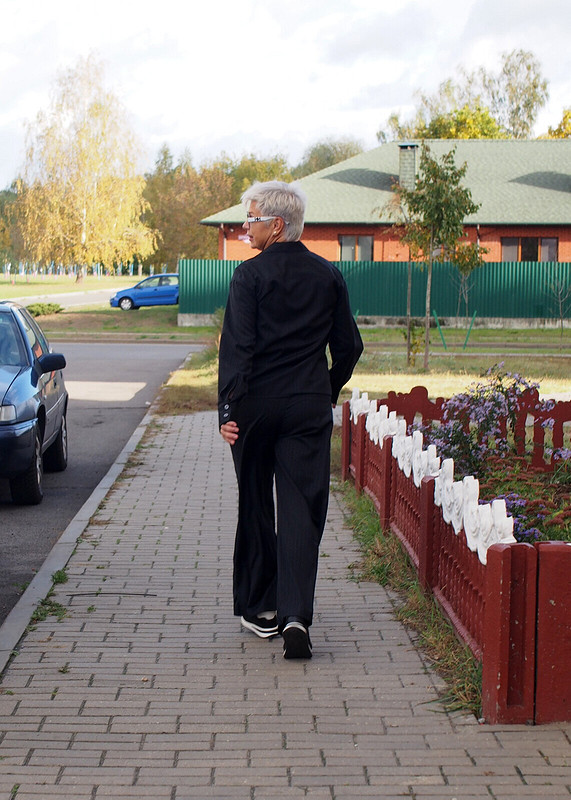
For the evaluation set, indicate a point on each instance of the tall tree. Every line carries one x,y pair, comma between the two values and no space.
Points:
478,104
7,244
250,168
326,153
517,93
563,130
80,198
435,210
468,122
202,192
454,104
159,215
179,197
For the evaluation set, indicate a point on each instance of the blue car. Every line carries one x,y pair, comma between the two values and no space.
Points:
33,405
158,290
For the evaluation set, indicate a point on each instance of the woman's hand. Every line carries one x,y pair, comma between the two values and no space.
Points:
229,432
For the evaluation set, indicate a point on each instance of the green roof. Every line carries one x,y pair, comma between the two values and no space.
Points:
515,182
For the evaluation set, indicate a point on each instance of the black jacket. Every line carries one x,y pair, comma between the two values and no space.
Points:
285,306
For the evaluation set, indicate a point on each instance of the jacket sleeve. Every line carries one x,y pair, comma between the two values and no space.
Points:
237,342
345,344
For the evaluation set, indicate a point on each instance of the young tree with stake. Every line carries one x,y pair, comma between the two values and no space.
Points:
435,211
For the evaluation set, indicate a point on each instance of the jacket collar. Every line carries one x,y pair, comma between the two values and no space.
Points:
284,247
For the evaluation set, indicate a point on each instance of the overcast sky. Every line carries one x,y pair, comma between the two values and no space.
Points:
262,77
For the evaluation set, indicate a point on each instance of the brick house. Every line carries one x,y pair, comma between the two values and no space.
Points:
523,188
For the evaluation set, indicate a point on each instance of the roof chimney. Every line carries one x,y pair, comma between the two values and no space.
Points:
407,165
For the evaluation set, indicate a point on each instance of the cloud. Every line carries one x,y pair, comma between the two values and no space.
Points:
384,34
263,77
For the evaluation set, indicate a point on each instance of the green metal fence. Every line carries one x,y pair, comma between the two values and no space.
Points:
378,288
204,285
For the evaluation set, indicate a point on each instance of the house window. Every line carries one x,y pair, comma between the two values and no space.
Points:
548,250
356,248
510,249
348,248
529,248
365,248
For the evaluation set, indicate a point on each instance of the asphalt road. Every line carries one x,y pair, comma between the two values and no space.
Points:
111,387
76,299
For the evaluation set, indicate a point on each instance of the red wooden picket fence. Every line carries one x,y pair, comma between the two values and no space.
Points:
513,610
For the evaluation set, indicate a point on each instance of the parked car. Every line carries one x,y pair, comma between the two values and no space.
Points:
33,405
158,290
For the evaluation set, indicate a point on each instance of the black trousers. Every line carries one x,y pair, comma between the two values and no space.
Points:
276,554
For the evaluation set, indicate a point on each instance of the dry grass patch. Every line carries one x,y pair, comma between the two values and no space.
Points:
379,377
192,388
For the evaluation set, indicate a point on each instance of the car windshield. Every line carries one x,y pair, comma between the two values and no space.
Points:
12,351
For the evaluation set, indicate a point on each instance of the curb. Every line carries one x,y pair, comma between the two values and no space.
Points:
18,619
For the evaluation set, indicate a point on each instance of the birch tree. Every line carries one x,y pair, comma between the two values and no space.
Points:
517,93
80,198
479,105
7,253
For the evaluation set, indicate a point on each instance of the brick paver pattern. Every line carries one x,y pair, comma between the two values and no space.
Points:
148,687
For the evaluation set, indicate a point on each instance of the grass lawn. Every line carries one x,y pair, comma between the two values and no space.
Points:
145,323
455,338
379,370
542,355
28,286
377,375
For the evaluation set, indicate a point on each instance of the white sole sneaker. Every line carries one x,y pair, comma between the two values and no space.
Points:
264,628
297,643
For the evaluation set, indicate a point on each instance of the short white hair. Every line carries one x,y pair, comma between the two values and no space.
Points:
279,199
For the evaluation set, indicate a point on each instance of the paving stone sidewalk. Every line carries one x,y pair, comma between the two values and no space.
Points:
148,687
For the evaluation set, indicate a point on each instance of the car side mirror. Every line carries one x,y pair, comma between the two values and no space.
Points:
50,362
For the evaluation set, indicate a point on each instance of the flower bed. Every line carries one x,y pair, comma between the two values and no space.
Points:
484,430
538,501
507,600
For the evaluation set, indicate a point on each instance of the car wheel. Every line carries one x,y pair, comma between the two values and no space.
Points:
55,457
27,489
126,304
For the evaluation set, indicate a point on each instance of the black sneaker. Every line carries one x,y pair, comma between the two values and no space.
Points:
297,643
264,628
